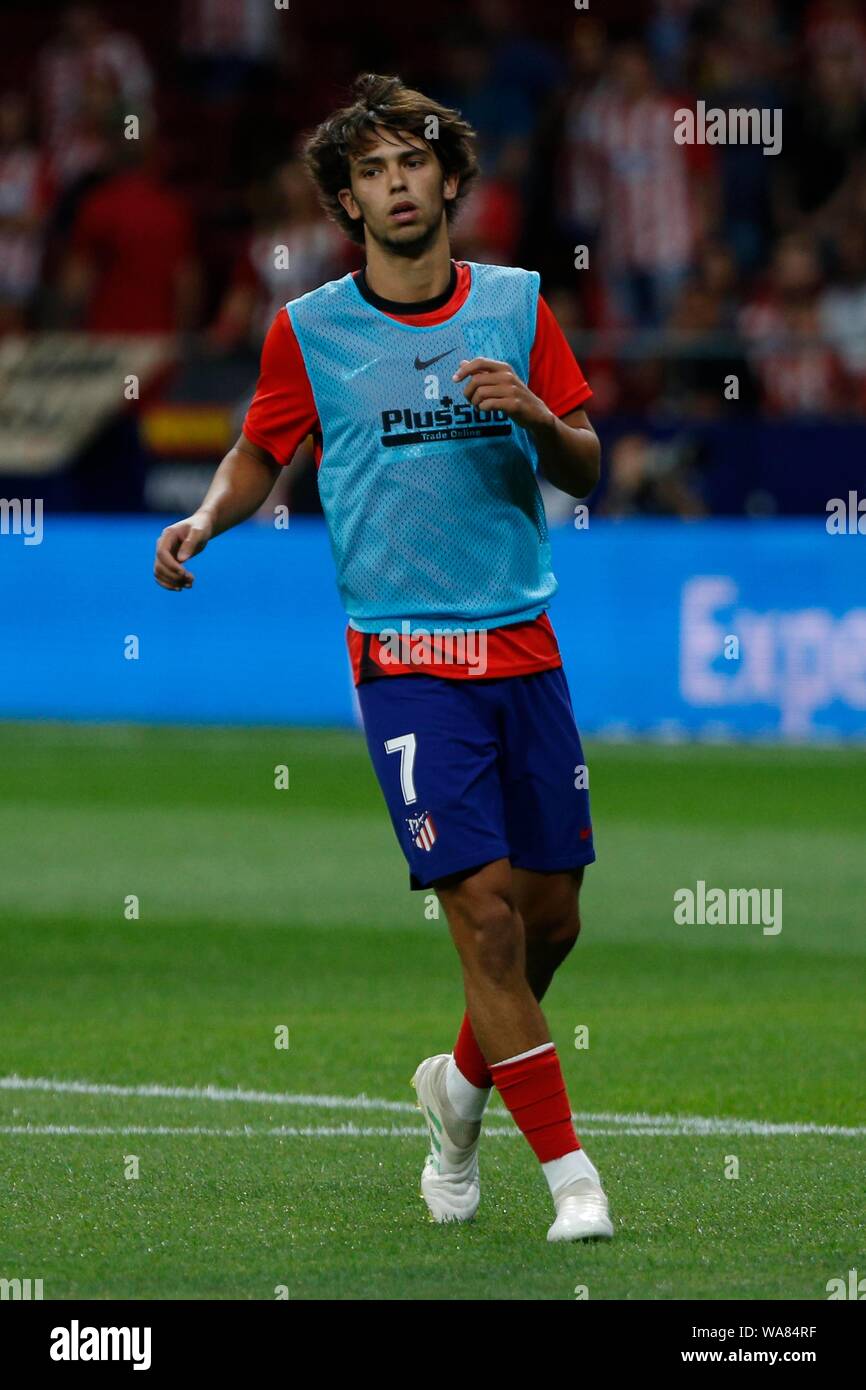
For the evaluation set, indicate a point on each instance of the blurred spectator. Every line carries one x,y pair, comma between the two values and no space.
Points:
650,479
837,26
229,51
581,186
503,126
490,223
742,59
652,189
668,33
718,272
708,360
291,230
82,157
131,267
824,132
601,370
488,228
520,64
842,306
799,372
25,197
87,52
225,42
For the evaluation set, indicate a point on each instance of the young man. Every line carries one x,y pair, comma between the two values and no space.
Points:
433,391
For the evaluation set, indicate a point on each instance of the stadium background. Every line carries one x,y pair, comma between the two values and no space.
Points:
703,262
155,257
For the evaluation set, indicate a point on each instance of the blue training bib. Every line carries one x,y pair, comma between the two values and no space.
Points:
432,506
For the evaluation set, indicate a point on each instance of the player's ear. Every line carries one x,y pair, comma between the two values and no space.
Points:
347,202
450,186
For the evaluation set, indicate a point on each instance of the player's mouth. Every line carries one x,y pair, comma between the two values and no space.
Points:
403,212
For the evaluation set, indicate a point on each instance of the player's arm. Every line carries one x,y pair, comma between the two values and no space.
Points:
240,485
569,451
281,414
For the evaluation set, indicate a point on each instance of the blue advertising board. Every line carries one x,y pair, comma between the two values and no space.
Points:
708,629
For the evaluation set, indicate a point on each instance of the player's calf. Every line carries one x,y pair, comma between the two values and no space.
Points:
549,906
488,933
533,1089
490,936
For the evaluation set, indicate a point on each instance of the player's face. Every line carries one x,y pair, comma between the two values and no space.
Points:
400,191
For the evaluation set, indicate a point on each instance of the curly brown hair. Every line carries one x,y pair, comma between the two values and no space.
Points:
384,103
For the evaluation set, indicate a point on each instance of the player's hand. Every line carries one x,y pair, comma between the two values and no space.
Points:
496,386
178,543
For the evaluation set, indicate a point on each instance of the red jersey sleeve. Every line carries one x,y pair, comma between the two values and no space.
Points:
282,412
554,375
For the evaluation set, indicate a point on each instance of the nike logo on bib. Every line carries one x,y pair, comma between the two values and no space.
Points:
420,366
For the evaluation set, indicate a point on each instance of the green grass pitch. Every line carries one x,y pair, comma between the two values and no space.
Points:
261,907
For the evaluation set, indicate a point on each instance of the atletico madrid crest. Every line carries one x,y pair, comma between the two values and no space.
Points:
422,830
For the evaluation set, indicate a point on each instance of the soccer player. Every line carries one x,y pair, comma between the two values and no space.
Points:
434,390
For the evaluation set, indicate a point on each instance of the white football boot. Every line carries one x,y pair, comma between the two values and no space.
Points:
581,1213
449,1182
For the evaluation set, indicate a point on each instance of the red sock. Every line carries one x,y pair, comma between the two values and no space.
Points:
469,1057
534,1091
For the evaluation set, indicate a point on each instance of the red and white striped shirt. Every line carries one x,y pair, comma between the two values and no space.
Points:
647,212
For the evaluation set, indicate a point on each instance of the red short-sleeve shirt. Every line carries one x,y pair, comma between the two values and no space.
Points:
283,414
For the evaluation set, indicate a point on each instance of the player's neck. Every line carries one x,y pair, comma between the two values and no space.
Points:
405,280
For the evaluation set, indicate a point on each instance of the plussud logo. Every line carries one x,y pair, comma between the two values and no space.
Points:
445,422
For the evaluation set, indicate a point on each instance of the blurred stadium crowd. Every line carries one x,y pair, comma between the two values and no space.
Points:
703,260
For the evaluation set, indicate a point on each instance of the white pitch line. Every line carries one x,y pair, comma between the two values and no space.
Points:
247,1132
216,1093
717,1124
345,1131
631,1124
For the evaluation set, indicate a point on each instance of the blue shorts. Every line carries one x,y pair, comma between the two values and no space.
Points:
477,770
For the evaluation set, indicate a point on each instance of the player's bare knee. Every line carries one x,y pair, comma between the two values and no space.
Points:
555,918
491,940
560,932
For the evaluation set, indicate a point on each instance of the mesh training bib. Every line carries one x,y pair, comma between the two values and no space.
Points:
432,506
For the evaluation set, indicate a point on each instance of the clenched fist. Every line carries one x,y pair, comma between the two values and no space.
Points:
178,543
